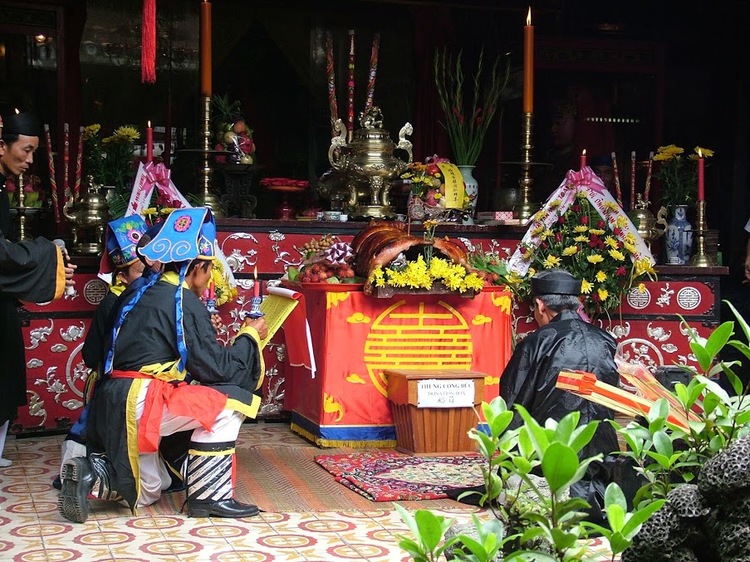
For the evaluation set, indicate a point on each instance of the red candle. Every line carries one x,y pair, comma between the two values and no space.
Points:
583,159
256,285
632,180
149,142
66,158
205,47
528,65
701,172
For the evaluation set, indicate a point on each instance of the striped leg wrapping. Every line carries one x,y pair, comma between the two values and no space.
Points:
103,487
209,474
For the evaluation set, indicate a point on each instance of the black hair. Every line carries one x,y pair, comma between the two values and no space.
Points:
558,303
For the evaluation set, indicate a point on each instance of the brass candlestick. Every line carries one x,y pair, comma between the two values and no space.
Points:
209,199
701,258
527,208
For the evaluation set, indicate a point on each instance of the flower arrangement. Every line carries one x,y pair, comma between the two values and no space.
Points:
427,181
232,132
678,174
582,242
224,291
467,123
109,160
426,271
34,196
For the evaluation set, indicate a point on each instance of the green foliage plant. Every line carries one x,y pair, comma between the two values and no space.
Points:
666,455
526,522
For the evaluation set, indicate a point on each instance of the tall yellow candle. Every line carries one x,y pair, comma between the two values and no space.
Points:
205,48
528,65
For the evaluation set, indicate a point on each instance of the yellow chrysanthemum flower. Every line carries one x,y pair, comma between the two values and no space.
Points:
546,234
707,152
580,228
629,238
601,276
595,258
551,262
611,206
641,288
570,251
629,248
621,222
617,254
667,152
611,241
597,231
586,287
581,239
91,131
603,294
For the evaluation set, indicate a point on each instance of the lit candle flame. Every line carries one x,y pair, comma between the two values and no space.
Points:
255,272
149,123
700,153
528,17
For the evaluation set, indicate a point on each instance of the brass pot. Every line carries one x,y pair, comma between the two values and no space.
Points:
88,215
369,163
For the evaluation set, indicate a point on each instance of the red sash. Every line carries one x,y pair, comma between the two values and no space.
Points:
201,403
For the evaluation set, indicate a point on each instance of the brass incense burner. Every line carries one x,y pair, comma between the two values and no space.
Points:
88,215
649,227
369,164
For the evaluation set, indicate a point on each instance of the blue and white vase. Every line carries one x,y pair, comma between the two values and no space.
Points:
472,187
679,237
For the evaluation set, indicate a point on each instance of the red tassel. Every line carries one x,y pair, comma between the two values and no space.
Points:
148,42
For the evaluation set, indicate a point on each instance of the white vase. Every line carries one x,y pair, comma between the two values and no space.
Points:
471,186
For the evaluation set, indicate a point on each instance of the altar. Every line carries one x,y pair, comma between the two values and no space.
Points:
357,337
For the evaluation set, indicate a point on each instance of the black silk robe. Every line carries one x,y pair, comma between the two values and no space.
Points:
566,343
32,271
147,337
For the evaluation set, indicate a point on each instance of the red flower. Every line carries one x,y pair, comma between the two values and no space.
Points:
600,224
560,220
621,271
584,219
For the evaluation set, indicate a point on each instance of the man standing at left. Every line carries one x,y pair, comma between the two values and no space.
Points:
34,271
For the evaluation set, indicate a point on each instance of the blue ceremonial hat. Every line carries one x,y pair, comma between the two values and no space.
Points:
186,234
123,236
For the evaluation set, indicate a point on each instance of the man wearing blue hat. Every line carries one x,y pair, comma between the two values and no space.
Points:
162,332
122,238
34,271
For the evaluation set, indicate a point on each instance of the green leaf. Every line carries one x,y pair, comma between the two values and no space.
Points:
566,426
662,443
563,540
613,495
740,320
522,465
718,338
583,435
559,465
536,432
615,517
704,359
639,517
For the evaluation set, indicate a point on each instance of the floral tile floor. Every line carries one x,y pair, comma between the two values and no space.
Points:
32,530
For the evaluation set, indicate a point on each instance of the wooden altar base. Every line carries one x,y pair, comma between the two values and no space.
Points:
431,431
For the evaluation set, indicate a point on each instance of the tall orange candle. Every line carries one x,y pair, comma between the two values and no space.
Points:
528,65
205,48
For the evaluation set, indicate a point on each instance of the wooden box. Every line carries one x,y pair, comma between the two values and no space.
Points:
433,430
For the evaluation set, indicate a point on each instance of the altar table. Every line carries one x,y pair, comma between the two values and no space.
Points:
357,337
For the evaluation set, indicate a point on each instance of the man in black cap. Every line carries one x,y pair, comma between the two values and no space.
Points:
564,341
33,271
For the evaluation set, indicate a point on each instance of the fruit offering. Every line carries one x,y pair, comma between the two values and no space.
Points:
315,245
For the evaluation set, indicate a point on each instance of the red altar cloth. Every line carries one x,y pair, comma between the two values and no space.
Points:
356,337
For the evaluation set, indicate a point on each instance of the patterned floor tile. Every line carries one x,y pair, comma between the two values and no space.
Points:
33,530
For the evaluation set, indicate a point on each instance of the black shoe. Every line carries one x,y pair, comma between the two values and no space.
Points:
78,479
57,483
225,508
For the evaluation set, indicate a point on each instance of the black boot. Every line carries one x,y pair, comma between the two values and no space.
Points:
78,478
82,476
209,483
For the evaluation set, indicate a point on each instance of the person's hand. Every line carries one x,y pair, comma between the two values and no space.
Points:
70,269
217,323
259,324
